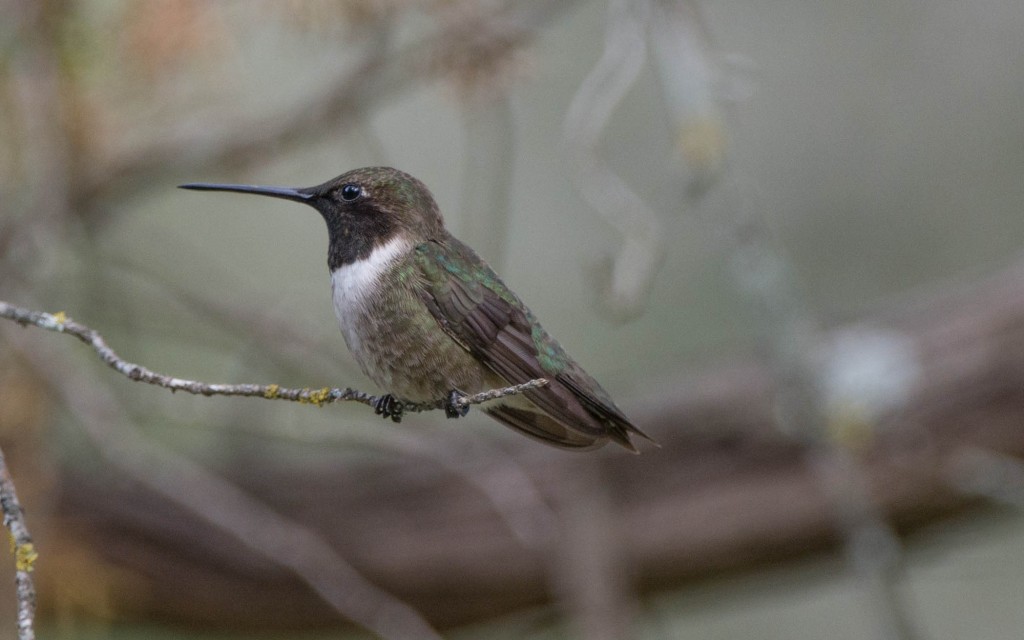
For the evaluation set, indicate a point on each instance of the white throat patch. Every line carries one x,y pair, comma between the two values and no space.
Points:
351,282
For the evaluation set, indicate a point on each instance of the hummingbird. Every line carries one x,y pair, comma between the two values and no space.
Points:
426,318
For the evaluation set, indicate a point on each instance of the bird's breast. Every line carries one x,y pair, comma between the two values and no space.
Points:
391,333
357,286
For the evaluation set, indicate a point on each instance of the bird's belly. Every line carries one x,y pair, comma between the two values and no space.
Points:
415,362
401,347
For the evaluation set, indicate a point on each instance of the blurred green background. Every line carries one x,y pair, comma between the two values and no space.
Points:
650,177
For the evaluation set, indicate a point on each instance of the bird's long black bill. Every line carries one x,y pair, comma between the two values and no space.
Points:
285,193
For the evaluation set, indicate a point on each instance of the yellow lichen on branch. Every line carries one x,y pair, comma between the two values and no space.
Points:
25,556
61,323
318,397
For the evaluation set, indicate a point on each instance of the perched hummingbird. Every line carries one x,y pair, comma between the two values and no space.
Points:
427,318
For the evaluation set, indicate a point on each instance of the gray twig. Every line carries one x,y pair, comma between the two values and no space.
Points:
60,323
225,506
24,553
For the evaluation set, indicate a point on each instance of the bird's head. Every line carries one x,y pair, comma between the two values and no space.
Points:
363,209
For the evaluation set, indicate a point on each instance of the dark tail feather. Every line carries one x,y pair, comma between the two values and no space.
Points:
542,427
619,432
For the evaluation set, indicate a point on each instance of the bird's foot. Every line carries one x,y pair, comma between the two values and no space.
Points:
389,407
452,408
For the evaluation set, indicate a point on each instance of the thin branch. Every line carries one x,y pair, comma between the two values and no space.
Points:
514,495
226,507
24,553
60,323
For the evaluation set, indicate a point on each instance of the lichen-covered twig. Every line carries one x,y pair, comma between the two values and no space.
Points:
60,323
24,553
212,499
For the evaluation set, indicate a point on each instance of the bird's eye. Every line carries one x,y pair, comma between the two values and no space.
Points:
350,192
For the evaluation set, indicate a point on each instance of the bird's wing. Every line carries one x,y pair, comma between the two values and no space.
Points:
477,310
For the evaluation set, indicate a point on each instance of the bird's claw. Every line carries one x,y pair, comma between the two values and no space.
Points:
388,407
452,409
